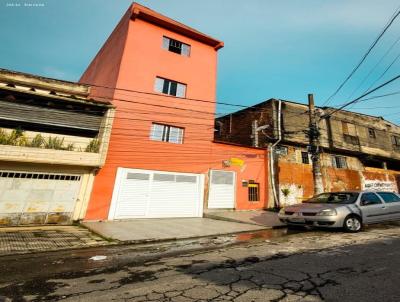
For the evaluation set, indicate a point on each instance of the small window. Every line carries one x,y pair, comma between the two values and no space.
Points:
389,197
222,178
371,133
170,87
351,139
281,150
163,177
138,176
370,199
304,158
176,46
254,192
396,141
166,133
339,162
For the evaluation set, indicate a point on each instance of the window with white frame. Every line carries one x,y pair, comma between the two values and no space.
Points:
170,87
166,133
176,46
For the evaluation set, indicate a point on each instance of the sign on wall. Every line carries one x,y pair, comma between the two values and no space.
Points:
379,185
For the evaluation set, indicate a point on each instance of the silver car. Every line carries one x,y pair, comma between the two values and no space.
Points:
348,210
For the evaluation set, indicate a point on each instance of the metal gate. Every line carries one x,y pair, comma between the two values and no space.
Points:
37,197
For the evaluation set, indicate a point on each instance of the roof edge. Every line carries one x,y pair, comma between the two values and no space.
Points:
139,11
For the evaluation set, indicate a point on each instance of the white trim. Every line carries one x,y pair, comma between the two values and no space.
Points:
117,186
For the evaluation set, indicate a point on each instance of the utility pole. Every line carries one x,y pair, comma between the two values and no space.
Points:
314,134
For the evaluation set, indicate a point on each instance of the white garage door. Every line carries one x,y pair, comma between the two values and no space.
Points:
221,190
156,194
37,197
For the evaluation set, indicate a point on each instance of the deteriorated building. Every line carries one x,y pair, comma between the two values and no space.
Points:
358,151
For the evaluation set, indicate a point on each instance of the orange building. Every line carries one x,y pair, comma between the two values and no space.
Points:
162,161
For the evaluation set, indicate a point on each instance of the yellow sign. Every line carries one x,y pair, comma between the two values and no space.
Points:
236,162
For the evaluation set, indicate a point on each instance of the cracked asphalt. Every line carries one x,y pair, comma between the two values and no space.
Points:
308,266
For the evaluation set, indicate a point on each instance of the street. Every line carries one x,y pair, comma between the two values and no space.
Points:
303,266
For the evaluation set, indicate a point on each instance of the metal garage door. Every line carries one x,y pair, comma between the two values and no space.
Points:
37,197
156,194
222,190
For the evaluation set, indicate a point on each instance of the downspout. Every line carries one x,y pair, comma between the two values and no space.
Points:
272,157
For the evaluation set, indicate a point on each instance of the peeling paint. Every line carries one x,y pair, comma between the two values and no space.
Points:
290,194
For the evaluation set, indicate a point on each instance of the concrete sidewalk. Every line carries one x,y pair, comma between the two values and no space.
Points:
146,230
21,240
256,217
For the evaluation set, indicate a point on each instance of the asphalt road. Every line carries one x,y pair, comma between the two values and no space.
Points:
309,266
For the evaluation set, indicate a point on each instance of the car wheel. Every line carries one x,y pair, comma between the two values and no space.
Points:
352,224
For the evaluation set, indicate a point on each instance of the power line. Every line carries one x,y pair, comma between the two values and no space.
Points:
396,14
360,97
373,69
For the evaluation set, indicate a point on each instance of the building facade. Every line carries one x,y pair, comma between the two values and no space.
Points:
53,140
162,160
358,151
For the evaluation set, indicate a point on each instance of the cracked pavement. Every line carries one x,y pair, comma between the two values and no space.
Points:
309,266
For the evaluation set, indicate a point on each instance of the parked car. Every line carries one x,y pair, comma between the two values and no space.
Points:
348,210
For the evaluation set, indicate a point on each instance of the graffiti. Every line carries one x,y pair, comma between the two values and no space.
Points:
379,185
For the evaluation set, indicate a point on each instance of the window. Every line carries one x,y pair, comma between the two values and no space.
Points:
304,158
176,46
281,150
389,197
350,133
254,192
370,199
396,142
170,87
166,133
350,139
339,162
371,133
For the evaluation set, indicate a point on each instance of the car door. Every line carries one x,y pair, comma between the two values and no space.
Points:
392,202
372,208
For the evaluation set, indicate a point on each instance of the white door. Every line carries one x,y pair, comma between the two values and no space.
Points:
37,197
221,190
156,194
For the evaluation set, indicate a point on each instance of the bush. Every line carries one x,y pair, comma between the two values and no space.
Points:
37,141
94,146
54,143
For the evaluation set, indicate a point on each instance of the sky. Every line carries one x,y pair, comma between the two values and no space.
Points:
273,48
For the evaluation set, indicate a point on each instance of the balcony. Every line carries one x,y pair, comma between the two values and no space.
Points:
39,147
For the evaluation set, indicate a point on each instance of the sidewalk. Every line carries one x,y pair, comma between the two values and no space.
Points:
155,229
21,240
256,217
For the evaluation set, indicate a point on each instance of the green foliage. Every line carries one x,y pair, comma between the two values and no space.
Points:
37,141
17,138
285,192
55,143
3,137
13,138
93,146
70,147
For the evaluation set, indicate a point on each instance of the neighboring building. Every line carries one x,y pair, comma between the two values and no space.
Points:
53,139
162,161
358,151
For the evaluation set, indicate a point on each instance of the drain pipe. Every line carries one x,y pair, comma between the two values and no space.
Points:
272,157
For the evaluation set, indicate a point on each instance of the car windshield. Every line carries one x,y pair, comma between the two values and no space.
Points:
340,198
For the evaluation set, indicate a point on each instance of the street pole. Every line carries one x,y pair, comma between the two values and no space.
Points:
314,147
